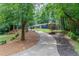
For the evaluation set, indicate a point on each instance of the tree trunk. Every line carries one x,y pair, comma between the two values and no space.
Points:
9,28
14,30
62,23
23,31
26,28
17,28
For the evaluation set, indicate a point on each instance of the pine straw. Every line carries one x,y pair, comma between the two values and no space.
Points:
18,45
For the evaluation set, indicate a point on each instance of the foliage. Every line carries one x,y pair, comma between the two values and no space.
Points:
5,38
2,42
12,14
72,35
65,15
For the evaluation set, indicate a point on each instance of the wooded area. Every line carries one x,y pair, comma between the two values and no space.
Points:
17,16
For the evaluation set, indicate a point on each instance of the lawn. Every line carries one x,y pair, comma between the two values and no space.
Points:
6,37
48,30
43,30
58,31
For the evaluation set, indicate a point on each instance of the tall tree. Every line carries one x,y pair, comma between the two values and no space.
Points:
26,12
15,13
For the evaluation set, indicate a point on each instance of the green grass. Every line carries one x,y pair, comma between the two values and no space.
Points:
76,46
6,37
74,41
58,31
43,30
48,30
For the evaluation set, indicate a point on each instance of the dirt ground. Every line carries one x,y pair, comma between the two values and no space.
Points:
18,45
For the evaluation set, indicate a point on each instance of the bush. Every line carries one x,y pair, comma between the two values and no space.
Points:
2,42
78,39
17,35
14,37
72,35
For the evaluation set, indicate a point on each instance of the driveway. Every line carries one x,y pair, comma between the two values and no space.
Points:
47,46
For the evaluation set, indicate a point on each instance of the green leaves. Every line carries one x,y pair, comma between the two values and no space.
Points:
72,10
13,13
26,11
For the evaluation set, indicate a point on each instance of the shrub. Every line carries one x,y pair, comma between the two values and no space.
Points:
17,35
14,37
78,39
2,42
72,35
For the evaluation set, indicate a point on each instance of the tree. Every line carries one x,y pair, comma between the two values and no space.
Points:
26,12
15,13
62,12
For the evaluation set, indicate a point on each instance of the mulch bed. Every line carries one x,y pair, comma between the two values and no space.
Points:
18,45
64,47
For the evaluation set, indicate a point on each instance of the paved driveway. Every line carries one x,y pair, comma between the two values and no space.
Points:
47,46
